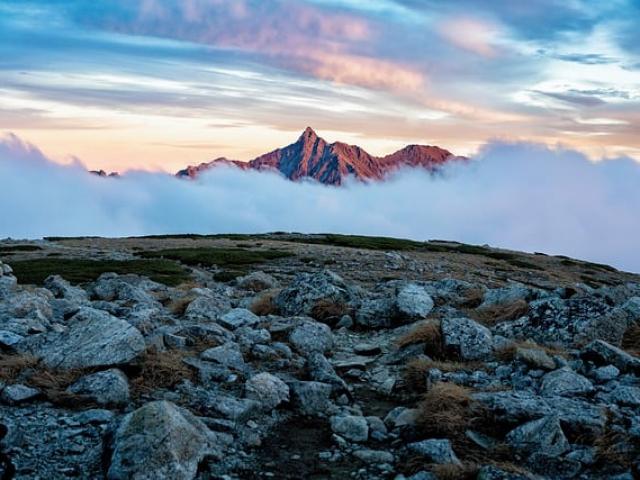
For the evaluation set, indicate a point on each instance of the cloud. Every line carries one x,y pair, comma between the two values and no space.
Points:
521,196
470,34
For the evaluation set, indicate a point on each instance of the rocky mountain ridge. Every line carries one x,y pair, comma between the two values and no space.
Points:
309,367
312,157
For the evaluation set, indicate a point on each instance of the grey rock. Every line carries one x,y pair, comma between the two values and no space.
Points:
376,313
401,417
227,355
605,374
625,395
238,317
509,294
565,382
63,289
257,282
311,337
366,349
95,416
544,434
552,466
9,339
535,357
413,301
94,339
351,427
159,441
602,352
307,289
466,338
514,407
374,456
435,450
321,370
490,472
109,387
18,393
267,389
208,306
311,398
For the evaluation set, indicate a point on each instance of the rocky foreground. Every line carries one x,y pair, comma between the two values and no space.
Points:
311,374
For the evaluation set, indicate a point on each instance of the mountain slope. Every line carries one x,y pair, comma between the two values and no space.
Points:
331,163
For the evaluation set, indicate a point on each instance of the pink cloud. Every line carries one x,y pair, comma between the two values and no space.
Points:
295,36
470,34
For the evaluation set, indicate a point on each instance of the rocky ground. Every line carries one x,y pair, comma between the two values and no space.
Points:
331,362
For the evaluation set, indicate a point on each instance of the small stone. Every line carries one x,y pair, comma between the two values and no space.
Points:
605,374
18,393
9,339
366,349
351,427
268,389
227,355
435,451
311,337
535,358
374,456
238,317
565,382
544,435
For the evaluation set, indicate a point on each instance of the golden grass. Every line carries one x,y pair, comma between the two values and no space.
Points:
446,410
54,383
427,332
508,353
495,314
472,298
416,369
12,365
161,370
179,305
265,303
466,471
326,310
631,339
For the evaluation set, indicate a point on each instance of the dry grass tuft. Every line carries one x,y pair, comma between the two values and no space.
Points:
429,333
616,448
446,410
161,370
631,339
54,383
179,305
472,298
495,314
12,365
466,471
415,370
265,303
328,311
508,353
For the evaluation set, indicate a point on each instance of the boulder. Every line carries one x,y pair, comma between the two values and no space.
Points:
351,427
9,340
227,355
18,393
159,441
321,370
311,337
307,289
267,389
435,450
413,302
208,306
238,317
257,282
544,435
94,338
109,387
565,382
466,338
603,353
63,289
535,358
311,398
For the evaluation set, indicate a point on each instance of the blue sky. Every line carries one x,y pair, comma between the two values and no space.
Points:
157,84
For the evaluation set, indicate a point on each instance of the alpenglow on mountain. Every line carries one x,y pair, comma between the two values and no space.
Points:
331,163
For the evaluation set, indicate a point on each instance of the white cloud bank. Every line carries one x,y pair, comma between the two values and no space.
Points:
519,196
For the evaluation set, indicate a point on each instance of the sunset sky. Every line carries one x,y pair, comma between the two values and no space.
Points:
159,84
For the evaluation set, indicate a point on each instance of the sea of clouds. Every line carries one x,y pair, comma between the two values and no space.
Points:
511,195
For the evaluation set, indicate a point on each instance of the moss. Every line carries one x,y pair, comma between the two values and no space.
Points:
80,271
213,256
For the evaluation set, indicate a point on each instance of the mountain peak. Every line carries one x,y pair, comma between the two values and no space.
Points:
309,134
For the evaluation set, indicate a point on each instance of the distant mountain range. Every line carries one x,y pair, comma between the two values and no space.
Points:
331,163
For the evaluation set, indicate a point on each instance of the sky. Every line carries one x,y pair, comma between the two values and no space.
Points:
159,84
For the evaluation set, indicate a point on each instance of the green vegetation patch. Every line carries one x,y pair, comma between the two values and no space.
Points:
233,258
19,248
80,270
